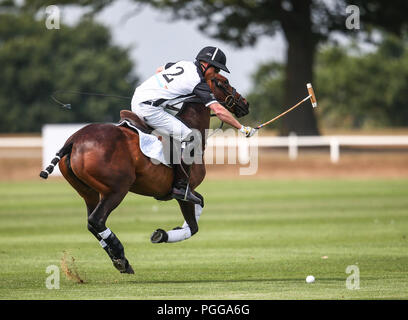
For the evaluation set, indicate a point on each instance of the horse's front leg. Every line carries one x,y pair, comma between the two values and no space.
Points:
191,213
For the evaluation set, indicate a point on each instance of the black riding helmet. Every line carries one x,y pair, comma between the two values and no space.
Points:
214,57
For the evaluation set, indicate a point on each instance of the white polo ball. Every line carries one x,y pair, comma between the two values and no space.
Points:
310,279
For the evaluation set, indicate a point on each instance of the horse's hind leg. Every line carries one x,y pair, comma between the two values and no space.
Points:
92,200
108,240
90,195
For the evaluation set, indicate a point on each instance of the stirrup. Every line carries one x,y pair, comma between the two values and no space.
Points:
185,195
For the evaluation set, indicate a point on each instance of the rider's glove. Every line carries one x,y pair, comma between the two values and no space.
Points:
248,131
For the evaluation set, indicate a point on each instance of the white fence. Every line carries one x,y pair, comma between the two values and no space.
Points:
334,143
54,136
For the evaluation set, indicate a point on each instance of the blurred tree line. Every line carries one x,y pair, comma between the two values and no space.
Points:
305,24
354,88
36,61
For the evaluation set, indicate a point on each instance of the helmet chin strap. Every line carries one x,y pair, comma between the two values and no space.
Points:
205,68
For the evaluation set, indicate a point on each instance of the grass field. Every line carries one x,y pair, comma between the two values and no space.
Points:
258,239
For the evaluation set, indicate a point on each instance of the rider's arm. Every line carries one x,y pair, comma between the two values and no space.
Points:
224,115
204,92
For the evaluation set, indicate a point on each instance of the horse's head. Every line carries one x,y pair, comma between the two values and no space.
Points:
227,95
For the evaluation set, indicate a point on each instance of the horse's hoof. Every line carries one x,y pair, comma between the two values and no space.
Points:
129,270
159,236
123,266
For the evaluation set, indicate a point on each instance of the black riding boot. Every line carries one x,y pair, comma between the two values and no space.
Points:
181,189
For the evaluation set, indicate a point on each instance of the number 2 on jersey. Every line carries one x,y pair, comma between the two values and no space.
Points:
169,77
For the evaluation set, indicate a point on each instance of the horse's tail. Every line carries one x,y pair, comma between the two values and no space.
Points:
66,149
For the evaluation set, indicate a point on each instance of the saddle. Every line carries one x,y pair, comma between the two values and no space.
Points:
127,117
132,121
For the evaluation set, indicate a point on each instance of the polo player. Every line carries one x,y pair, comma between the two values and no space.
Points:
178,80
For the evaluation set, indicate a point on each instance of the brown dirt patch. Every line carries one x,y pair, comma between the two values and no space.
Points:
318,165
69,268
271,164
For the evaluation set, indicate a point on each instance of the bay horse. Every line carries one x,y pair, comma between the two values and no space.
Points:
103,162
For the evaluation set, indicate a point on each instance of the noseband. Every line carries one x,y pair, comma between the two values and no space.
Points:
234,105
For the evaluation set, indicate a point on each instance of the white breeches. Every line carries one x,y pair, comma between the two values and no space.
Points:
162,121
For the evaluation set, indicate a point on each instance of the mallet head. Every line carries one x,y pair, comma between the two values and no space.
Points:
312,95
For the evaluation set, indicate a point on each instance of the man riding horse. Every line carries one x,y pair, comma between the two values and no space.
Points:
174,81
104,161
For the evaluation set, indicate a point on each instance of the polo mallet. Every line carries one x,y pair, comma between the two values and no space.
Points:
311,96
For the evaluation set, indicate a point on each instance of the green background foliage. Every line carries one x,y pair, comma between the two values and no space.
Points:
355,89
364,90
35,62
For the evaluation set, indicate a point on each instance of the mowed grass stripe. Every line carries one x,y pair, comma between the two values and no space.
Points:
258,239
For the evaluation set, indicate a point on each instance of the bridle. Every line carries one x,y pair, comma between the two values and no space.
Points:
231,102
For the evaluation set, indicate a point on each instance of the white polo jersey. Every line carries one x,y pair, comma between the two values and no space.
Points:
177,80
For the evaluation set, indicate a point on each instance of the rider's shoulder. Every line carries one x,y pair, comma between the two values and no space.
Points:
186,63
189,68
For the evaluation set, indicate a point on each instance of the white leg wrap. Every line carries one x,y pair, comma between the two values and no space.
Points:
105,234
185,232
178,235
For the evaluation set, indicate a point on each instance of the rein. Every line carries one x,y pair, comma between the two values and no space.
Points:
68,105
230,102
